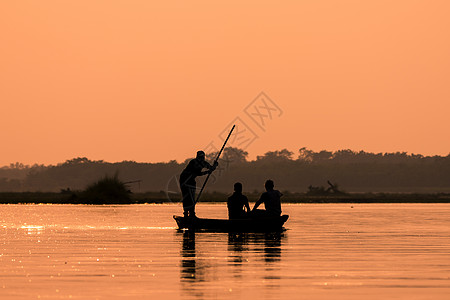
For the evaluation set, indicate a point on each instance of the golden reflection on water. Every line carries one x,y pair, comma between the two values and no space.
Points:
243,250
188,255
32,229
328,251
269,244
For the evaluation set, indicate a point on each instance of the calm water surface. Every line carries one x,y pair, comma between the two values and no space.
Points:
329,251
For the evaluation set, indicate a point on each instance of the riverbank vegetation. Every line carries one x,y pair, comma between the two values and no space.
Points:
353,171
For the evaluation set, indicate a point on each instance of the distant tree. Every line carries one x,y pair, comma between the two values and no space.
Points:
78,160
277,155
416,156
229,155
305,154
322,156
187,160
235,155
210,156
345,155
308,155
18,166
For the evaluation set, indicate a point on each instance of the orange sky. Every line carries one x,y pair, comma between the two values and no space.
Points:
157,80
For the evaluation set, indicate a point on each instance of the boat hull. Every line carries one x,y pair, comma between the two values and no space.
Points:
266,224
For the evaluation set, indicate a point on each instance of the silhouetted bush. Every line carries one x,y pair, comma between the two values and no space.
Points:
108,190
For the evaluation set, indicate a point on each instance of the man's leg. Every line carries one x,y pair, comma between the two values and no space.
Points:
186,199
192,201
188,194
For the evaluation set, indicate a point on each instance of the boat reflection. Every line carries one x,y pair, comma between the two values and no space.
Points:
192,270
269,244
246,251
188,255
237,245
272,246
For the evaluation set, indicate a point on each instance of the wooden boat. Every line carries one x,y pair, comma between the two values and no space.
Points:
260,224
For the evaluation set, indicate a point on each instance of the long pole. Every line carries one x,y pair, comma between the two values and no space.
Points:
217,159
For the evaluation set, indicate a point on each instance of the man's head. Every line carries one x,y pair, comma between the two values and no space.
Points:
201,155
238,187
269,185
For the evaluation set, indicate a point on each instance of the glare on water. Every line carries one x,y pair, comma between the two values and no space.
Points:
344,251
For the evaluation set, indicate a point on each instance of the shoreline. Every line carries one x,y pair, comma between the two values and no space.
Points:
162,198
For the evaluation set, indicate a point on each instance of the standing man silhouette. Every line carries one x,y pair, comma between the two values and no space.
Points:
188,184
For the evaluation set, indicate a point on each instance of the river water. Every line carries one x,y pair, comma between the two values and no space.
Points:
328,251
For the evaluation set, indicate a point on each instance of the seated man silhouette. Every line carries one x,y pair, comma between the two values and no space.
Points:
237,202
271,200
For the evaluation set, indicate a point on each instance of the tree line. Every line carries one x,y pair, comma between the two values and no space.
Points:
353,171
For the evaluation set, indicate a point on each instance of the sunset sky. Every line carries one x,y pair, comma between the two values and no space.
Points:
157,80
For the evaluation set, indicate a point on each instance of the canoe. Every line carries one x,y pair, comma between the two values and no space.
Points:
261,224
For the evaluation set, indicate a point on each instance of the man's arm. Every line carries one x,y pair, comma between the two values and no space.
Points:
246,204
258,203
210,168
